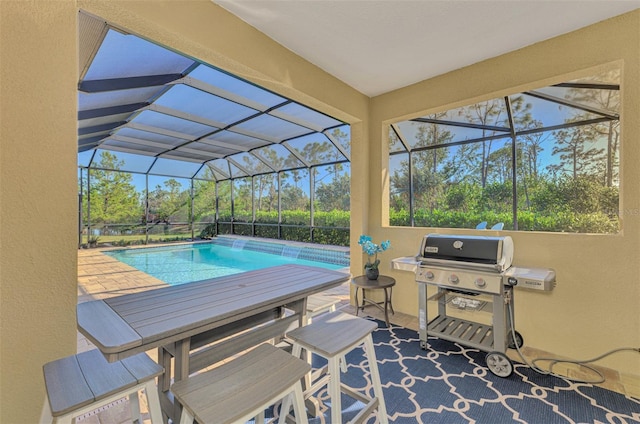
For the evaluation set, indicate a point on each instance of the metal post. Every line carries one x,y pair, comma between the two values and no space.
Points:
217,214
279,208
514,167
412,219
80,211
311,205
232,199
79,220
193,235
146,208
253,206
88,204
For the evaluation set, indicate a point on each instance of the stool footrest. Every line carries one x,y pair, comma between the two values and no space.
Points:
364,414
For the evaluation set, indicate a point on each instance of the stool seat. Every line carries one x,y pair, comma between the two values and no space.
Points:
332,336
333,333
319,303
81,383
242,388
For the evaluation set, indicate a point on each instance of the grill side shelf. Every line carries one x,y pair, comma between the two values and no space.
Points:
458,330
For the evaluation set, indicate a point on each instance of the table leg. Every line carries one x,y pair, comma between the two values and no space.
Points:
364,299
386,303
164,359
164,384
358,304
181,371
390,300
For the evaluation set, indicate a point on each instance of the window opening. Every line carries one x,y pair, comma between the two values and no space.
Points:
541,160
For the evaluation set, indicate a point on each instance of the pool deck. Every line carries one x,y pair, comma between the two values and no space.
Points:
101,276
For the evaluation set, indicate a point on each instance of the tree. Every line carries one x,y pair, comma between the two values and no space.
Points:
334,195
294,198
578,154
485,114
316,152
267,192
493,113
204,198
529,147
427,178
399,197
169,203
224,200
499,169
114,198
338,136
606,99
294,189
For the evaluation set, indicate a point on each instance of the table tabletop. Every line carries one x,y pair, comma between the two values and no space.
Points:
382,282
124,325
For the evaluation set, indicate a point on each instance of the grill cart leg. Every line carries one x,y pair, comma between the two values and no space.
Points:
422,315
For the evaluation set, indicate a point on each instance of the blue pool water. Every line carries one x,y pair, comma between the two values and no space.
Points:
185,263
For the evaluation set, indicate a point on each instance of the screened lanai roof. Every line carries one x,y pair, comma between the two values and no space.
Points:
579,102
163,113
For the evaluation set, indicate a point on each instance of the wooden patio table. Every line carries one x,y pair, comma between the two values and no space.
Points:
203,322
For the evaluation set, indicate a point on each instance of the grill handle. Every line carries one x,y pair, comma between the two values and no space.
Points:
461,264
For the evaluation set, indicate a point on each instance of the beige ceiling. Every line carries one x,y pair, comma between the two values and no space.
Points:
378,46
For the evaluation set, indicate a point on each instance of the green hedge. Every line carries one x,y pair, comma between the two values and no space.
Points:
560,221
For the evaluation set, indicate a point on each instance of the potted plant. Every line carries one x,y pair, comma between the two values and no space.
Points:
372,249
93,241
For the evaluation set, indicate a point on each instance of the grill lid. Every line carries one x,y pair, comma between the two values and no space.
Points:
457,250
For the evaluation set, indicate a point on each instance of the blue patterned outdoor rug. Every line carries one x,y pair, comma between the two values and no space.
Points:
450,383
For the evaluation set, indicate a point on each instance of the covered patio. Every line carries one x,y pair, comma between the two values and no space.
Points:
101,276
592,310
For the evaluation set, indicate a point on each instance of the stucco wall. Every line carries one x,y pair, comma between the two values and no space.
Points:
594,307
38,205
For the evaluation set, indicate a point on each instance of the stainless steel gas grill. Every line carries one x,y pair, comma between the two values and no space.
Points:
475,282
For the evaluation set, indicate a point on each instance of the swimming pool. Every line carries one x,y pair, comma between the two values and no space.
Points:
181,264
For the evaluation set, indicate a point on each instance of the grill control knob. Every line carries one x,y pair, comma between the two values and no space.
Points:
429,275
480,283
453,279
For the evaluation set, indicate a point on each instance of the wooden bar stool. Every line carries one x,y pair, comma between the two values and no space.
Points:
243,388
318,304
332,336
84,382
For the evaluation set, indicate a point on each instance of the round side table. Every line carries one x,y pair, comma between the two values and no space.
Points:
383,282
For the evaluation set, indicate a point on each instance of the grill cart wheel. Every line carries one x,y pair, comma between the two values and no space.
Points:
519,341
499,364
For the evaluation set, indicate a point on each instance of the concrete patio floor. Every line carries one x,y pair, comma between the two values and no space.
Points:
101,276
